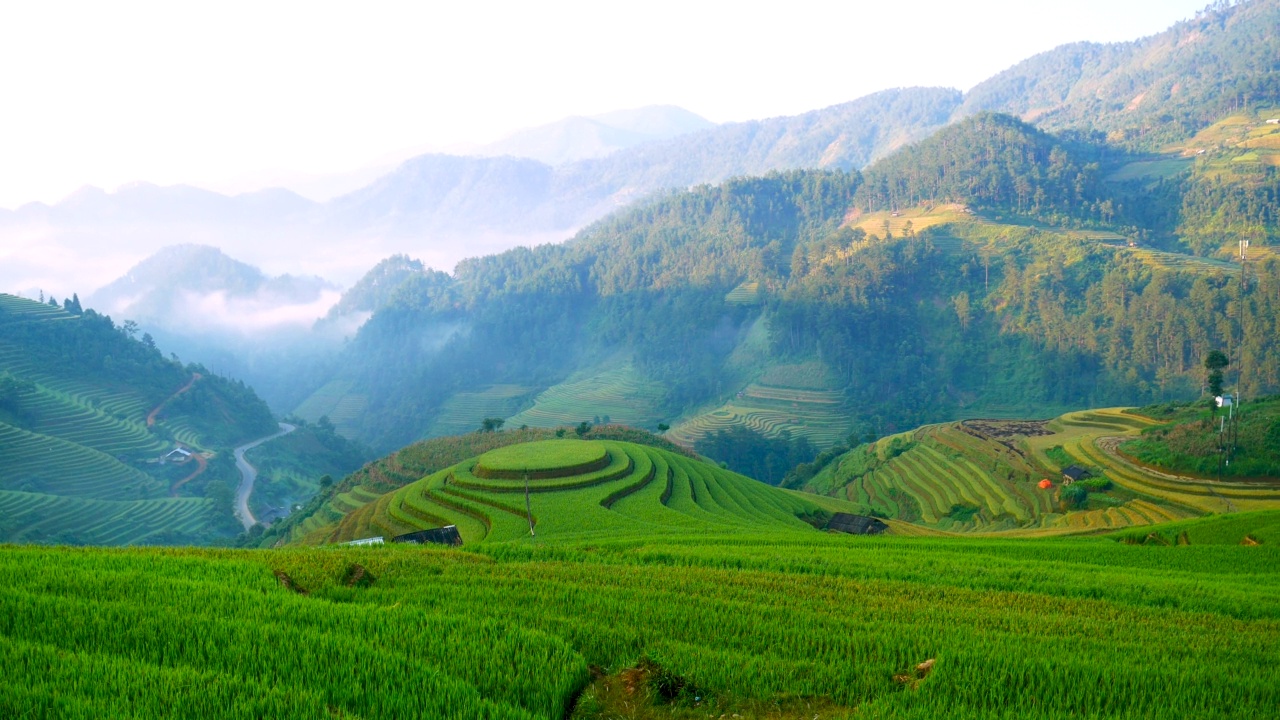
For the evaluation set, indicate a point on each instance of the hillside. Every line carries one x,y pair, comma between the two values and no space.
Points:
1187,438
987,476
582,488
1151,91
989,270
320,518
755,623
86,413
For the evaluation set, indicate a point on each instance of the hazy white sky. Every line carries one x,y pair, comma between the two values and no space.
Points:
238,95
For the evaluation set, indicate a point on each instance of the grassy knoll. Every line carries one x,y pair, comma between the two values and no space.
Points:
320,518
549,456
984,476
641,489
755,622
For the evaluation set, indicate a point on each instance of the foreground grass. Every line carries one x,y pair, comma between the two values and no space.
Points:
770,625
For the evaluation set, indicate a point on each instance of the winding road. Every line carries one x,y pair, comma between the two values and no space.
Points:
248,474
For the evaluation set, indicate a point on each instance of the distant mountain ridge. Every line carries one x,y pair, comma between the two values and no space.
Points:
579,138
444,208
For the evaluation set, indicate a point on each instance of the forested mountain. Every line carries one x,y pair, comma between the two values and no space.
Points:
1142,95
1006,307
106,441
1152,91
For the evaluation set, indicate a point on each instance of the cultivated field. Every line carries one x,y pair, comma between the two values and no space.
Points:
640,489
984,476
756,622
463,412
819,415
620,393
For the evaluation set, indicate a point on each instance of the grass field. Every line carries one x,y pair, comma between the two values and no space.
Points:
755,621
619,393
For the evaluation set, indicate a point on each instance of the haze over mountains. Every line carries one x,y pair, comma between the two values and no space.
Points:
542,184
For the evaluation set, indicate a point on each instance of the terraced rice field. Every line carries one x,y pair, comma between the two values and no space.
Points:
69,473
21,309
819,415
35,517
1085,437
335,400
621,394
748,293
39,463
982,476
115,432
1179,261
464,411
641,489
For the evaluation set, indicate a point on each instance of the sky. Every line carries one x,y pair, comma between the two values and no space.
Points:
236,96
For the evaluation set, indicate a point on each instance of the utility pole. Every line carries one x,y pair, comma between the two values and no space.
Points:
1235,408
528,508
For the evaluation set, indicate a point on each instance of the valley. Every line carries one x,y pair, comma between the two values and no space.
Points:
929,404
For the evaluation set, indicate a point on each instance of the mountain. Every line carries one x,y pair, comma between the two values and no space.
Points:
198,302
1143,95
189,286
986,269
1152,91
580,138
105,441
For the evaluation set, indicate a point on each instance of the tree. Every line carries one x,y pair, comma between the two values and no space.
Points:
961,303
583,428
663,427
130,328
1214,362
489,424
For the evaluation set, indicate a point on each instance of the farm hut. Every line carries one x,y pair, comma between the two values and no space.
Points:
376,540
1045,484
447,535
177,455
856,524
1273,121
1074,473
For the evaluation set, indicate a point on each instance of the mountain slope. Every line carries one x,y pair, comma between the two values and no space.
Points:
988,476
1150,91
86,414
580,138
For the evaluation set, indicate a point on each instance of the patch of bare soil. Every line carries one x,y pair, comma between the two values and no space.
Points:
1002,429
650,691
287,583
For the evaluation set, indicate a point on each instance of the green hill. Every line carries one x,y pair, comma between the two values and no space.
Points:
319,519
581,488
86,414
